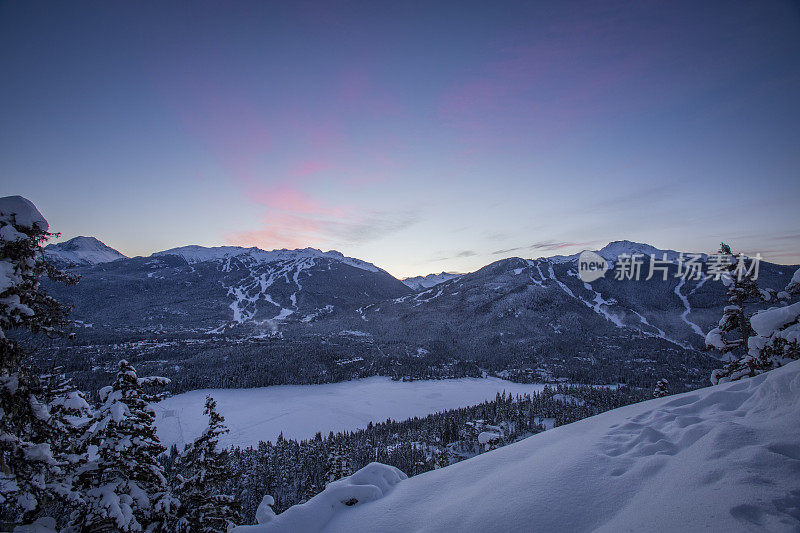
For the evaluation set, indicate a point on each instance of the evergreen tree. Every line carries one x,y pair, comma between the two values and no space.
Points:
69,410
204,470
661,388
310,490
70,416
338,465
30,471
731,334
122,480
774,340
440,458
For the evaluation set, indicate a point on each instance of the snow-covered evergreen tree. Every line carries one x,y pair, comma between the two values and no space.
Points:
30,470
731,334
661,388
122,480
775,339
204,469
338,465
759,341
71,416
69,409
310,489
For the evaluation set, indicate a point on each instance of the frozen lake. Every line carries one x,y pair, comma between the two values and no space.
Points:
300,411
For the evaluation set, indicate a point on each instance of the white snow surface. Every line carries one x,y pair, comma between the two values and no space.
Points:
197,254
368,484
614,249
769,320
724,458
687,308
300,411
22,211
426,282
83,250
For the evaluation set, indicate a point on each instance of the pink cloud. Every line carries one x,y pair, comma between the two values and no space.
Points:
296,230
289,199
313,149
268,239
293,218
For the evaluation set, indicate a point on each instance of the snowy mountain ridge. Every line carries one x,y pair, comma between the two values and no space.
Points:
723,458
89,251
196,254
82,251
426,282
614,249
611,252
480,319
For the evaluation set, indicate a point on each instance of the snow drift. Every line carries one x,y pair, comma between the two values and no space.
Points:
724,458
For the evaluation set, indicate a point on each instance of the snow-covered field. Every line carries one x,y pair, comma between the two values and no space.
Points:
300,411
724,458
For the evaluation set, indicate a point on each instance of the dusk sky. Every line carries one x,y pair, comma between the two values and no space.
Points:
420,136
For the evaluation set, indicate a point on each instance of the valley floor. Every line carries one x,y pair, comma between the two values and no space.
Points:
300,411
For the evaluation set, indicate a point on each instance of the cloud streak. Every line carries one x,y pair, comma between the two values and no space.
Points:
294,219
546,245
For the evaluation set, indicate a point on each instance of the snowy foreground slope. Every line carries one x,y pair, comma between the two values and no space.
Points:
724,458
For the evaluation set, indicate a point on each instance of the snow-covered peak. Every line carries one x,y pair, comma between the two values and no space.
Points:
426,282
614,249
198,254
82,251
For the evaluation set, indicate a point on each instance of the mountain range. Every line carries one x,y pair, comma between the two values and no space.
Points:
338,317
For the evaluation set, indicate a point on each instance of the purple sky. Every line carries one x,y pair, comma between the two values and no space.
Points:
421,136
